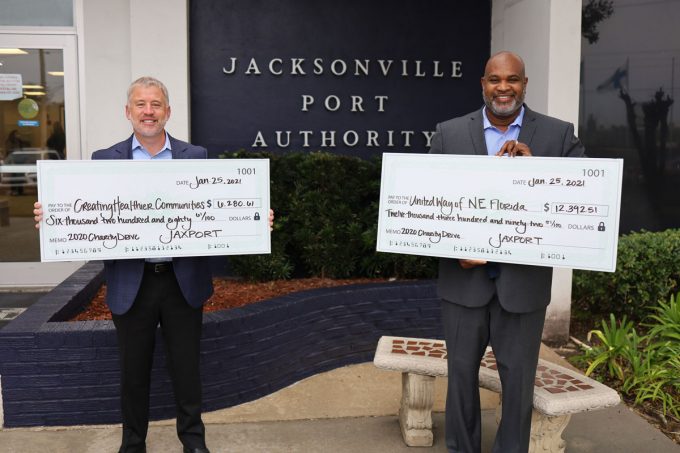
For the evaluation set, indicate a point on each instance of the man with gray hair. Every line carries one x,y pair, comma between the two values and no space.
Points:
145,293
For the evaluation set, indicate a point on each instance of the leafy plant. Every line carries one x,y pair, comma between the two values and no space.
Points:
657,385
647,367
615,344
665,325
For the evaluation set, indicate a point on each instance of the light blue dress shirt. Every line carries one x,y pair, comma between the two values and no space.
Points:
140,153
495,138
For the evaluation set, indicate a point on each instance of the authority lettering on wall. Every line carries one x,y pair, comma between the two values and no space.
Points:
342,70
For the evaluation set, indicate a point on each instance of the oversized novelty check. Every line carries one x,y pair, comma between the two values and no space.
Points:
547,211
117,209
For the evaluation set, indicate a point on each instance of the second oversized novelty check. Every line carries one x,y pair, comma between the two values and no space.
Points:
547,211
117,209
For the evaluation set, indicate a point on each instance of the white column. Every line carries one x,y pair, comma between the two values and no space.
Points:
159,47
547,35
104,48
121,40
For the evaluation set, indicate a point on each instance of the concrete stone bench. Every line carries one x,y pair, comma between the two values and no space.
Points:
558,392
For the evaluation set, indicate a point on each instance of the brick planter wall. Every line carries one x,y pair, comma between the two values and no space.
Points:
66,373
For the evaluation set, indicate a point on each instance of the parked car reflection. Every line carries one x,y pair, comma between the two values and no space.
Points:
18,170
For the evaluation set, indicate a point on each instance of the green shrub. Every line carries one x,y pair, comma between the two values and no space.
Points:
646,368
647,270
276,266
326,221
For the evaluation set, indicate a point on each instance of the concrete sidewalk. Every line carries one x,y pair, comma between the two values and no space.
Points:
613,430
351,409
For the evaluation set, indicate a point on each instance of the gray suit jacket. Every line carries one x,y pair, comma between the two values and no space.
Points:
520,288
124,277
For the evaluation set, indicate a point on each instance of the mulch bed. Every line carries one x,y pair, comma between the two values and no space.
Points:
231,293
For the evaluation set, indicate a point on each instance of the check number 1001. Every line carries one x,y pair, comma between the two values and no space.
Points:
246,171
593,172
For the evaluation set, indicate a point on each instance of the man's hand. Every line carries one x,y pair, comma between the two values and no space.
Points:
271,219
37,213
514,148
469,264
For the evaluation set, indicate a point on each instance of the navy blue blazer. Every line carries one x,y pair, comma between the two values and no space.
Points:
520,288
124,277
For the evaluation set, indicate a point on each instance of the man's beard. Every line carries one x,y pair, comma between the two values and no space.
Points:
506,110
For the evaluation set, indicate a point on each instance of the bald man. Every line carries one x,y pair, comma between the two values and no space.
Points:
497,304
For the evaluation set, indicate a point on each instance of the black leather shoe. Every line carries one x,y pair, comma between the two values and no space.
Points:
123,450
196,450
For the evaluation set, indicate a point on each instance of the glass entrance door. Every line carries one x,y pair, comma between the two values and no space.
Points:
38,120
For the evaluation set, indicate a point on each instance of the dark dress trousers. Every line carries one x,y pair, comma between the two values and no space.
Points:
505,310
142,296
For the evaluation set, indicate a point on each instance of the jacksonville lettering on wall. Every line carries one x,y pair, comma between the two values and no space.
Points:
350,77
